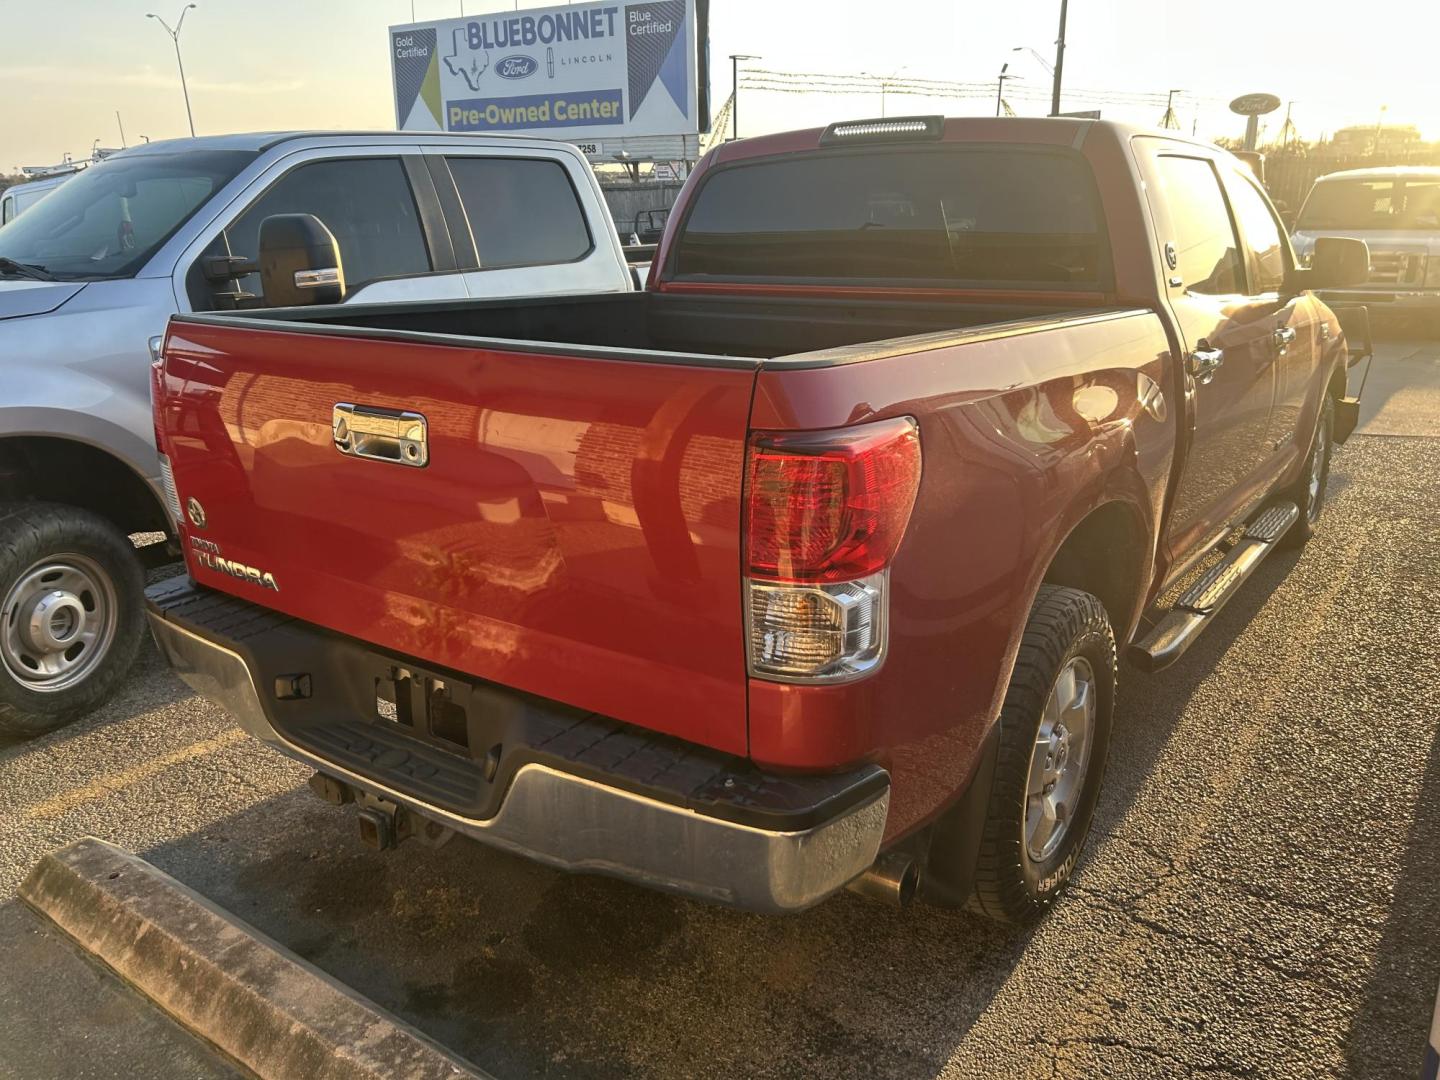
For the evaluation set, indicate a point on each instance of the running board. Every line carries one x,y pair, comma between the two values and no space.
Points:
1193,612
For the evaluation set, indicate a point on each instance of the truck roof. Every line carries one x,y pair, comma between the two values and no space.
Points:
1385,172
1058,131
258,141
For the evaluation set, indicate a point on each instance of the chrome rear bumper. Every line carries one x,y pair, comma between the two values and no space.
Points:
575,823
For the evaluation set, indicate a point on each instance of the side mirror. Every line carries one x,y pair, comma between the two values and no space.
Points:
1338,262
299,262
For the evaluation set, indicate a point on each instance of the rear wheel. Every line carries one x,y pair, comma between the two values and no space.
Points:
70,618
1308,492
1054,741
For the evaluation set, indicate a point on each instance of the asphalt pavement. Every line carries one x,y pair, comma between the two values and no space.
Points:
1260,896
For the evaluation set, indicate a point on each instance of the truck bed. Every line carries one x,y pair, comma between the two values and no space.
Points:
662,327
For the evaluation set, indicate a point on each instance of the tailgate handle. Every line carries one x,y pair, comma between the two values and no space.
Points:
381,434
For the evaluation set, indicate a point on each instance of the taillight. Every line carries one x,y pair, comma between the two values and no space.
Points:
157,403
825,513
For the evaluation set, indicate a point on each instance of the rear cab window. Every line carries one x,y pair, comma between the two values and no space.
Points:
951,216
521,211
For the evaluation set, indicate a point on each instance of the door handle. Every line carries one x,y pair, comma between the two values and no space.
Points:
381,434
1284,337
1204,362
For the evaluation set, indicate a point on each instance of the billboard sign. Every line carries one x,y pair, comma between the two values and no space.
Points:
581,72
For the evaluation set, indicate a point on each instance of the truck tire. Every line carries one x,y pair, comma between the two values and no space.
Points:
1308,492
1053,743
70,614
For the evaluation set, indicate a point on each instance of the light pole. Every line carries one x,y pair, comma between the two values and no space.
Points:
1000,89
175,37
1059,61
735,59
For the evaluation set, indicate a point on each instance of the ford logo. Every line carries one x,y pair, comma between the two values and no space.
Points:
516,67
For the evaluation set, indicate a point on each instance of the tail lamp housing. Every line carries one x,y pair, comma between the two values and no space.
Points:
825,514
157,398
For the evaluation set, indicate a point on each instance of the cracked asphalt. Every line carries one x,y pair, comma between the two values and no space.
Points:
1260,896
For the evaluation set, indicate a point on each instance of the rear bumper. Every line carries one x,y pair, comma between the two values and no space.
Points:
588,795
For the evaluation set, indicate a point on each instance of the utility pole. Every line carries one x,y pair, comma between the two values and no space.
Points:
1059,61
735,59
1170,120
175,37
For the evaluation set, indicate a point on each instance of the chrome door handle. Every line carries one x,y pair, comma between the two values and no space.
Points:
1284,337
381,434
1204,362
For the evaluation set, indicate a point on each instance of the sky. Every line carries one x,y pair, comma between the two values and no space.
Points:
66,66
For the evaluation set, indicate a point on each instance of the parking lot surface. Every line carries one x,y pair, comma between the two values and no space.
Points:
1260,896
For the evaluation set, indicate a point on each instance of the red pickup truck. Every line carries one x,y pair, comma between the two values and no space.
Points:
805,568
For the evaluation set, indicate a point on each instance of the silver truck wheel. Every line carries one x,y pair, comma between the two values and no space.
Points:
1054,736
70,614
1059,761
58,622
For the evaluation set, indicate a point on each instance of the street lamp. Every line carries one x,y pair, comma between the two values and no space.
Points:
1000,90
1038,58
735,59
175,37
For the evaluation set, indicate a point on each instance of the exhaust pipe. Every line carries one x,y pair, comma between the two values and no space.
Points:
891,879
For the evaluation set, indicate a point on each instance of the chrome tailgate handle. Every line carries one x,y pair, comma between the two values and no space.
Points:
381,434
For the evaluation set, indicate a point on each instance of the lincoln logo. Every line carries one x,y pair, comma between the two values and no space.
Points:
516,67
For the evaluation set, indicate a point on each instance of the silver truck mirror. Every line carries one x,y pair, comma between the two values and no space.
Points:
1339,262
299,262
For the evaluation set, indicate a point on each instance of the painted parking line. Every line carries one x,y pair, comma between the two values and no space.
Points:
127,778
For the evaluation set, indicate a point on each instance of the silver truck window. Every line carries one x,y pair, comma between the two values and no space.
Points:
1204,235
522,211
1384,203
365,202
107,221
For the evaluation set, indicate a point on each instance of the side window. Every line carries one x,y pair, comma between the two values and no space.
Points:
1205,244
6,210
522,211
1265,241
366,202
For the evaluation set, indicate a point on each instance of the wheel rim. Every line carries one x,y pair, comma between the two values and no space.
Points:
57,622
1317,469
1060,759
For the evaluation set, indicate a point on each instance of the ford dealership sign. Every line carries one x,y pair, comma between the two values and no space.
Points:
614,69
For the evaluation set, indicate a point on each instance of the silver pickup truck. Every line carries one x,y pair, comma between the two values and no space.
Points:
1396,211
91,274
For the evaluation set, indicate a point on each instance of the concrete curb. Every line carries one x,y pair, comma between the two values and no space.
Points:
268,1009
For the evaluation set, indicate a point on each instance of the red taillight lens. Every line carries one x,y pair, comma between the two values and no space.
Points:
830,505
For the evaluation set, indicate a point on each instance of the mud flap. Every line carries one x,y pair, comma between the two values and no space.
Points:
1347,415
948,877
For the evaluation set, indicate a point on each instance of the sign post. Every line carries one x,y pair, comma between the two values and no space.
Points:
620,76
1252,107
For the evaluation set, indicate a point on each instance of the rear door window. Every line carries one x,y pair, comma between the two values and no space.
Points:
522,211
1206,249
946,216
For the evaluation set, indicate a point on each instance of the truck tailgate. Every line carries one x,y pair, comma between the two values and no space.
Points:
573,534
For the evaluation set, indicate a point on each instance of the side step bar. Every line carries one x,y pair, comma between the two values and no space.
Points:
1193,612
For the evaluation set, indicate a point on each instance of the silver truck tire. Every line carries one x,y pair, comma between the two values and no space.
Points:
1308,491
71,617
1054,742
